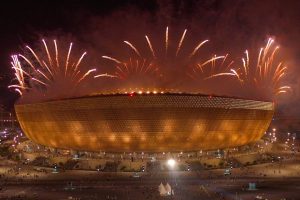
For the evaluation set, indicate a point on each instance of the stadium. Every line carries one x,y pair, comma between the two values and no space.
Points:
145,122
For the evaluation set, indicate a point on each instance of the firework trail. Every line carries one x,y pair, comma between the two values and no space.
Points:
67,60
133,48
198,47
150,46
181,42
113,59
167,39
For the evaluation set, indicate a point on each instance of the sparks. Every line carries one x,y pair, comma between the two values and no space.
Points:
135,68
150,46
56,53
220,74
133,47
48,54
198,47
46,73
105,75
79,61
111,58
85,75
266,73
180,42
67,60
167,39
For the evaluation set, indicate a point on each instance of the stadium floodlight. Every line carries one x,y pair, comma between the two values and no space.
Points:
171,163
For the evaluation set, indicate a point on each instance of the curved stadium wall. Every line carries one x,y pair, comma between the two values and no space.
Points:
145,123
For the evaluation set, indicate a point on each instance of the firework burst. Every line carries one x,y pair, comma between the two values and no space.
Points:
139,74
201,69
217,66
151,68
266,72
47,68
158,55
135,67
169,60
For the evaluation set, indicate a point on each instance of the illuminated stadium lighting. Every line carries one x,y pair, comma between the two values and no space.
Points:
171,163
145,114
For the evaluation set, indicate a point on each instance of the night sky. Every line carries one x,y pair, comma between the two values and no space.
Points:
233,25
23,21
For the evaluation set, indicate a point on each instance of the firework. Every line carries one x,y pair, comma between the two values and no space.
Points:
151,64
216,66
181,42
265,72
198,47
40,72
153,51
148,65
133,48
150,46
135,67
167,39
111,58
167,61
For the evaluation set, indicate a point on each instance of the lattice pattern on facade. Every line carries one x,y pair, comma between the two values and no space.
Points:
158,122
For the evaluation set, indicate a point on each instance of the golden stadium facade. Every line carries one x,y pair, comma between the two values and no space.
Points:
145,122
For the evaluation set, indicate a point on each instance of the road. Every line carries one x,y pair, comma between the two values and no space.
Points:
186,185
